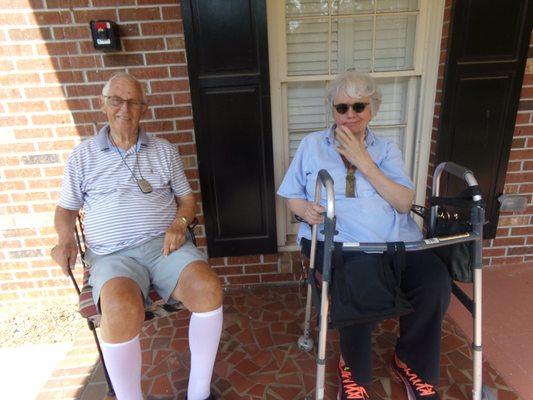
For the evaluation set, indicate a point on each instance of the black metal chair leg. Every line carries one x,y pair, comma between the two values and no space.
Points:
110,390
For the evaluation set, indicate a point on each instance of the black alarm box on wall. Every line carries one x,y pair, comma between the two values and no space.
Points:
105,35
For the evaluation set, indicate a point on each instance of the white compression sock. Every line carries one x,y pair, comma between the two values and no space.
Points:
204,336
123,362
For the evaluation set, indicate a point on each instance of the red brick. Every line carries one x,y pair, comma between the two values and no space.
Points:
241,280
521,154
122,60
63,77
251,259
158,126
522,118
173,112
518,143
509,241
72,32
50,18
149,44
128,30
71,3
184,137
183,124
169,86
84,16
222,271
179,71
173,12
528,166
51,119
520,177
139,14
79,130
44,92
169,57
56,145
160,28
27,106
13,185
85,90
260,268
38,64
116,3
7,19
490,252
40,33
515,251
527,188
507,260
11,162
13,121
277,278
16,50
20,79
80,62
70,104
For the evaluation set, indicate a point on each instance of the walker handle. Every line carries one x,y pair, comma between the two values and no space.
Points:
456,169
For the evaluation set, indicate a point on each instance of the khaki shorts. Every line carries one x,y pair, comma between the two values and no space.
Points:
145,264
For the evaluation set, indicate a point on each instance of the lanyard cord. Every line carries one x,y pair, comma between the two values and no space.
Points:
124,160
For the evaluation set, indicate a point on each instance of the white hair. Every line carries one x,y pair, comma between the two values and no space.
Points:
124,75
356,85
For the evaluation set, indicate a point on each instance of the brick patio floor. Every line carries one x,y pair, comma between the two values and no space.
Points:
258,357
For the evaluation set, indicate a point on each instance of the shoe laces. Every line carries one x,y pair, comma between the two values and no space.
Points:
423,388
350,388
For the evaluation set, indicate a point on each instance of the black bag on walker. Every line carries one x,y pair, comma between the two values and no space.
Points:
365,287
457,257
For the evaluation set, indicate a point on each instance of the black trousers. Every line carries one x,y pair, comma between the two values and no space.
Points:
427,285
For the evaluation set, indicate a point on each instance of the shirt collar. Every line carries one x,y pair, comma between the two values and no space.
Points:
102,139
369,139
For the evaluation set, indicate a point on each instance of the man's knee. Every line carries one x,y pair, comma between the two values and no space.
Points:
199,288
122,309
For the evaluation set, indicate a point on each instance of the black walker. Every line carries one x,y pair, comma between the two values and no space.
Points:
305,342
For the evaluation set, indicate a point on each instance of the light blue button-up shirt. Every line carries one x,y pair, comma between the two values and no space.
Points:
365,218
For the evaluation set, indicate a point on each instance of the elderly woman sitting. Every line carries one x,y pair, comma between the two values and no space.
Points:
373,196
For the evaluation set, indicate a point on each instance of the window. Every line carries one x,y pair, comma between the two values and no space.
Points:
310,41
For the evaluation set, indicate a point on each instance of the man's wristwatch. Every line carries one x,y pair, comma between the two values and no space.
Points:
183,219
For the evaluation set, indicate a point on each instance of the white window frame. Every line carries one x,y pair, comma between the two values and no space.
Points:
417,133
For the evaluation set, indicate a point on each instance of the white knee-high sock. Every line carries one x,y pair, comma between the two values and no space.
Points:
204,336
123,362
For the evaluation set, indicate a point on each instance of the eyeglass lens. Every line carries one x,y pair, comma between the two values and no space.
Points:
343,108
116,101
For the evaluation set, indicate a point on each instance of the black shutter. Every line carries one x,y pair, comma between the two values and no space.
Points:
227,54
486,60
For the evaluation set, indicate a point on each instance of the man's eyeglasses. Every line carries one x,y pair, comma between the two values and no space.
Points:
116,101
357,107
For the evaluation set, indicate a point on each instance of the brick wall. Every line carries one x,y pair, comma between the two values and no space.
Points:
514,237
50,79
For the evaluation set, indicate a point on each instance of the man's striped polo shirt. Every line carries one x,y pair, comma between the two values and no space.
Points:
117,214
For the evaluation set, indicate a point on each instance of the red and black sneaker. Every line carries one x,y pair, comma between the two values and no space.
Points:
348,389
415,387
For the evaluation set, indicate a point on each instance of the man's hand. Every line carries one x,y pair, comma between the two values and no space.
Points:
174,236
64,254
313,213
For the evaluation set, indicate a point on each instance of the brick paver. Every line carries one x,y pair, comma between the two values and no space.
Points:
258,357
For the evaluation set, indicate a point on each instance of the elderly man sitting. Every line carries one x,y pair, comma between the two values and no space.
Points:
137,205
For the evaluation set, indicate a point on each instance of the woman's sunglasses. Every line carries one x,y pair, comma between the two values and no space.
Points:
357,107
